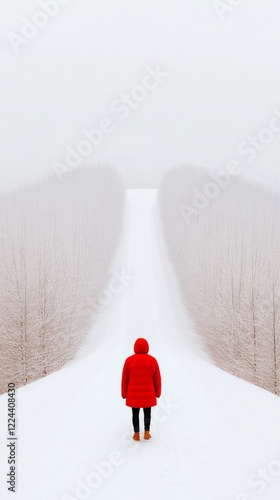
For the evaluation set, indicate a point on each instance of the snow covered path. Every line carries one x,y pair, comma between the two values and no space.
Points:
211,431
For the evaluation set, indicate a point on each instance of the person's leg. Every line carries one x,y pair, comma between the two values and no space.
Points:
135,419
147,418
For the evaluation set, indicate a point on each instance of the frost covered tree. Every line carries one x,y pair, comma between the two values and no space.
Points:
224,242
61,238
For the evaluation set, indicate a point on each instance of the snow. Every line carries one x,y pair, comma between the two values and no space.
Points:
210,430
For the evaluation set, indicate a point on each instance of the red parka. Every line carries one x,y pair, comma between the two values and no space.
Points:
141,380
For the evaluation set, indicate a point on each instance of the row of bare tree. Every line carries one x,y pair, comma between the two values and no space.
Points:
60,240
224,242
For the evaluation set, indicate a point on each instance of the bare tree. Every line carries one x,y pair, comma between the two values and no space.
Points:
61,238
225,249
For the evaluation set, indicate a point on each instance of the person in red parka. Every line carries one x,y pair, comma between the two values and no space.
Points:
141,385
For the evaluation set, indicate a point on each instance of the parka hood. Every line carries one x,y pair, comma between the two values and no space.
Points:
141,346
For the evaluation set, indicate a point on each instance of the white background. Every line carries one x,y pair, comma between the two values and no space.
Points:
223,84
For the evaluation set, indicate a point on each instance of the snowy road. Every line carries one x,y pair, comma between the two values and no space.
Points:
211,432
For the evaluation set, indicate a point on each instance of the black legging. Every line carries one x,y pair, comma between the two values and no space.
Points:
135,418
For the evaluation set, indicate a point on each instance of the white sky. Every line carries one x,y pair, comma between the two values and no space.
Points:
223,83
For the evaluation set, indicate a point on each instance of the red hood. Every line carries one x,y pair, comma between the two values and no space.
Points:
141,346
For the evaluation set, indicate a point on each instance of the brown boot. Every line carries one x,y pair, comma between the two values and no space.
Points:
147,435
136,436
